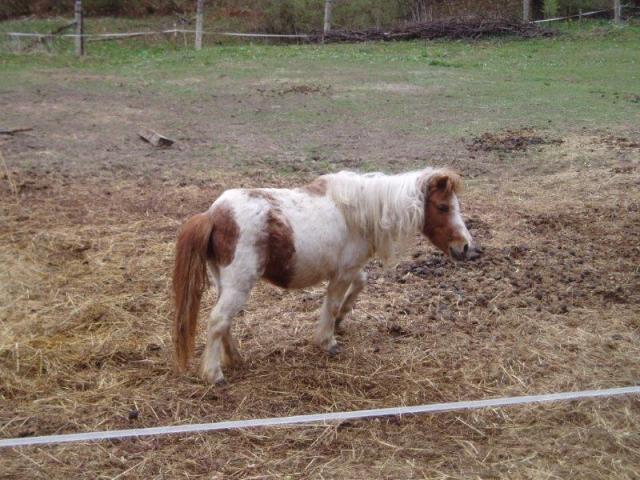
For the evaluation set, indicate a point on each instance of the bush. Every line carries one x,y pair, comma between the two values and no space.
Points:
359,14
296,16
550,8
301,16
16,8
572,7
292,16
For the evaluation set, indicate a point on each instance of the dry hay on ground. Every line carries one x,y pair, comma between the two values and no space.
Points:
553,306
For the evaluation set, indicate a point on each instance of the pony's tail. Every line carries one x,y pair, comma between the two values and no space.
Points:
189,281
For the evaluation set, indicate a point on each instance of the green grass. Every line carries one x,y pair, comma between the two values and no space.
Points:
589,76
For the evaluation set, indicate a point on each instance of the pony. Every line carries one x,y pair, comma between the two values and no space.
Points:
326,230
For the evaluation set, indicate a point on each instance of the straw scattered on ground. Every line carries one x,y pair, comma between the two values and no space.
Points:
88,219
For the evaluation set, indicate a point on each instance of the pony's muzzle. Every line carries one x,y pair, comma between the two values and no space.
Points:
467,252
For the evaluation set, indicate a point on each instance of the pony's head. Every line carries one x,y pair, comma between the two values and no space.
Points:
443,223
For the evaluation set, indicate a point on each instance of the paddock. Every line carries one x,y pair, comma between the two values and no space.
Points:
90,215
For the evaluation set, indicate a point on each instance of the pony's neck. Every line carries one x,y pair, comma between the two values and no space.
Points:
387,209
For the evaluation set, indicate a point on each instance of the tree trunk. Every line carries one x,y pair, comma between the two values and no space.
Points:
526,11
327,15
199,22
79,39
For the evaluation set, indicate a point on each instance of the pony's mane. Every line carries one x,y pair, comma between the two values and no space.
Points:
388,209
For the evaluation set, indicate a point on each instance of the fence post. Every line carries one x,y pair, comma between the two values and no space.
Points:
79,28
526,11
327,16
199,22
617,9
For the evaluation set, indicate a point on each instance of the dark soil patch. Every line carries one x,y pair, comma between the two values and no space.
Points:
550,279
573,266
633,98
305,89
624,168
509,141
620,142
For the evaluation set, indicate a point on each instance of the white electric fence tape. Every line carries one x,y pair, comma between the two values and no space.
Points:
140,34
318,418
586,14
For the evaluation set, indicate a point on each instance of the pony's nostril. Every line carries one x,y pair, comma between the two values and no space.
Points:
466,248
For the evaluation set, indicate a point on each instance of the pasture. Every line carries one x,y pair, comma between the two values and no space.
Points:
546,135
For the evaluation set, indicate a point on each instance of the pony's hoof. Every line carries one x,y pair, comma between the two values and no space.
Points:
221,382
214,377
333,350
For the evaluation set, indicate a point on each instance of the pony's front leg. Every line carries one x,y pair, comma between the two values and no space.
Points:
324,336
220,345
350,298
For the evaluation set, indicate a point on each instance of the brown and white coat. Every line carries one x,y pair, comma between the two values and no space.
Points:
296,238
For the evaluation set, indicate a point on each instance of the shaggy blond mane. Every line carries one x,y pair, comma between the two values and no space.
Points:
387,209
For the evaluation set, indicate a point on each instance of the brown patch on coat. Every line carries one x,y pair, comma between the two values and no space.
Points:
317,188
224,237
278,249
439,192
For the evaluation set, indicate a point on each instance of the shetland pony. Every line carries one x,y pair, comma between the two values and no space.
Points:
296,238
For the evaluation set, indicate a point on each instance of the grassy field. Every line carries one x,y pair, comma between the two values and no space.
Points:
546,134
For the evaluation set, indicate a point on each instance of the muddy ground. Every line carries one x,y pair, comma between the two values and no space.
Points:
89,217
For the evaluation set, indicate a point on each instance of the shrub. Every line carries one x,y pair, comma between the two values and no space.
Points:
550,8
292,16
572,7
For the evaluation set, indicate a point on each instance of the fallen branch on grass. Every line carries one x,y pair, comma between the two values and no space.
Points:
14,131
451,29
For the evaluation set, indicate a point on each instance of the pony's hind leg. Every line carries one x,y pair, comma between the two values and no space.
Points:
221,347
230,354
352,294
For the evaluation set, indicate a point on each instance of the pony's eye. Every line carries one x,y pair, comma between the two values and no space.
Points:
443,208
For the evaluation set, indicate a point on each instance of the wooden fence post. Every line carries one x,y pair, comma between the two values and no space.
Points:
199,22
79,28
526,11
327,16
617,11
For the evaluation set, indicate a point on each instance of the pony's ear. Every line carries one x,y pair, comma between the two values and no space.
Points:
445,181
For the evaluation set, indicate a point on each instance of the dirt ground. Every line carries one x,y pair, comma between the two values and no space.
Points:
89,217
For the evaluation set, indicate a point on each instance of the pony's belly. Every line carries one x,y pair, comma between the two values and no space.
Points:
306,271
308,275
316,259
